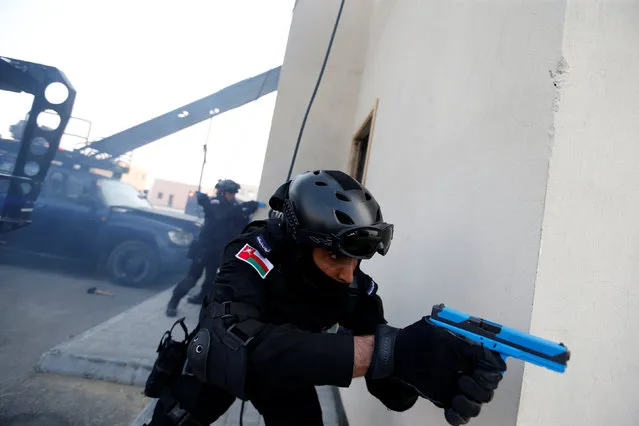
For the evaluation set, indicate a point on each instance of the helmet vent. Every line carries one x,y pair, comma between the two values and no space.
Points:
368,196
345,181
316,172
378,218
320,183
342,196
344,218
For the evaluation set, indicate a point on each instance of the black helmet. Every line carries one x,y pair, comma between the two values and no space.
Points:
227,185
330,209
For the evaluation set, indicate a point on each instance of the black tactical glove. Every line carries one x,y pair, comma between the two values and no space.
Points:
450,371
202,198
249,207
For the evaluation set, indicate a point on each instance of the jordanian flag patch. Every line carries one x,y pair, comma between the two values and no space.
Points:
253,257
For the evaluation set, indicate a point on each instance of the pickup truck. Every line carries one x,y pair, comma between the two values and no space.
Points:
108,223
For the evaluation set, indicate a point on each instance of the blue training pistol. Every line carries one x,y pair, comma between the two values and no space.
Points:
508,342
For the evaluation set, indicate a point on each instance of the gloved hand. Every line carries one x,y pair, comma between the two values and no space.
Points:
249,207
451,371
201,197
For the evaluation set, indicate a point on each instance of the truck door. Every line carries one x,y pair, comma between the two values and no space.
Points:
75,217
39,235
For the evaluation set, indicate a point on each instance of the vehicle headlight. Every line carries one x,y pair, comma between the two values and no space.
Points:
181,238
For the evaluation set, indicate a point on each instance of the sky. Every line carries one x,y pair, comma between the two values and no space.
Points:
130,61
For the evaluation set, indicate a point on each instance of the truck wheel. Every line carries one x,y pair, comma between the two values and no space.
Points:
133,264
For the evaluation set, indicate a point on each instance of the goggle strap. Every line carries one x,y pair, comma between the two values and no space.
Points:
291,219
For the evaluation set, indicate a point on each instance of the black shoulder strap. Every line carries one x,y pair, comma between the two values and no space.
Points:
254,226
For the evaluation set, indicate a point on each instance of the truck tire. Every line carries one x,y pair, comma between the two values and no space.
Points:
133,264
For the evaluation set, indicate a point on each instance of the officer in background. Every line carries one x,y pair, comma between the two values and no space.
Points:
224,218
264,334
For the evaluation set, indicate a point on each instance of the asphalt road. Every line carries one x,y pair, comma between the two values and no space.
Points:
41,307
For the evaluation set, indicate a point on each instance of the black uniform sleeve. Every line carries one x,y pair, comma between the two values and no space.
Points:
283,355
218,211
368,313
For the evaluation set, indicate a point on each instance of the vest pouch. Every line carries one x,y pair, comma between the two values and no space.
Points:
169,363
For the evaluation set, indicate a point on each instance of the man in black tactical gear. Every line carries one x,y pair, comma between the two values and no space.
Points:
265,333
224,218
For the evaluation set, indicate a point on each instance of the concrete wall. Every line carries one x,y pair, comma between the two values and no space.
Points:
501,116
326,141
465,110
587,293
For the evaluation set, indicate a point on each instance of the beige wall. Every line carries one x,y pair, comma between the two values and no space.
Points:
138,178
162,190
180,192
463,127
458,160
494,118
587,292
330,123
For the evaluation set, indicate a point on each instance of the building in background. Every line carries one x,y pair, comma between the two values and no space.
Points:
501,140
165,193
136,177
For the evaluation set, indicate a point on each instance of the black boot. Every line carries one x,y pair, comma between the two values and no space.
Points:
171,309
180,290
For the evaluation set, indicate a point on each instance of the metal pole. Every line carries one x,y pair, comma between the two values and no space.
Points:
206,142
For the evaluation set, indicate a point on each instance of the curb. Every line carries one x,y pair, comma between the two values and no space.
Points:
56,361
64,358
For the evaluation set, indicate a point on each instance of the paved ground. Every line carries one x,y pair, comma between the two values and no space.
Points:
49,322
52,400
40,309
122,350
41,305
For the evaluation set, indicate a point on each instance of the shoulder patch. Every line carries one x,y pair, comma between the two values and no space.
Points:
262,242
215,201
372,288
253,257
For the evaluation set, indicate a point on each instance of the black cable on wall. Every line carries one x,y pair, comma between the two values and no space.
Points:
317,84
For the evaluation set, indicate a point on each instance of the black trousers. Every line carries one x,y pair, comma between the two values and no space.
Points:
207,265
188,282
212,264
206,403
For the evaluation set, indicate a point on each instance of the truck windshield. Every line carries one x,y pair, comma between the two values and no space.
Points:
118,193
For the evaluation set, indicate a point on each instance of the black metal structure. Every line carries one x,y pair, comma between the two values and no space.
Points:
229,98
39,144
